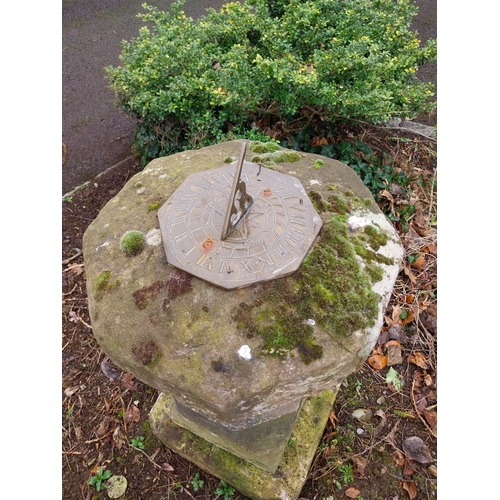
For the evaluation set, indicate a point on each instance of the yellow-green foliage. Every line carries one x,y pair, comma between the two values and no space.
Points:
195,82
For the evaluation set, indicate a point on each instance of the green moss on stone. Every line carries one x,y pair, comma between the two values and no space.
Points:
132,243
269,158
318,164
228,159
375,272
339,204
103,283
102,280
376,238
332,287
263,147
154,206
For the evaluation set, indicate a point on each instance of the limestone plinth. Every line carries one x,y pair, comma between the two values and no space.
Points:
285,483
305,332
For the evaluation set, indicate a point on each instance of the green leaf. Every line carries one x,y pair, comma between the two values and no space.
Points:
394,378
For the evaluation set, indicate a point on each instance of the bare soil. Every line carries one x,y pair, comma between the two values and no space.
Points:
104,411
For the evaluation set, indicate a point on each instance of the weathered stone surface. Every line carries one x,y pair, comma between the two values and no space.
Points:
284,484
181,335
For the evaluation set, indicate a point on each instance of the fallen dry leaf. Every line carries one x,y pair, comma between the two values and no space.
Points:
408,468
410,316
409,298
361,464
385,194
132,414
410,275
377,361
352,493
394,353
103,427
416,449
411,489
419,262
431,417
398,458
128,381
417,358
118,439
68,392
73,317
430,248
318,141
377,432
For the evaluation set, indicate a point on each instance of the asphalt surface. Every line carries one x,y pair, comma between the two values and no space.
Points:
96,133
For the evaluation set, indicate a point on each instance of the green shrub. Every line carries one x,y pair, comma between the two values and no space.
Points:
268,64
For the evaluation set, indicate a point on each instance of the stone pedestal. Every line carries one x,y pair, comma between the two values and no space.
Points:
284,483
302,334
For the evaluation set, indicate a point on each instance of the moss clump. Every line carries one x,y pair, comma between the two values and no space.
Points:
270,158
138,184
228,159
101,282
339,204
263,147
376,238
318,164
132,243
331,287
320,205
375,272
153,206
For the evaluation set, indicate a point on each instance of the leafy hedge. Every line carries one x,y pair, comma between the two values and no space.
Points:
269,64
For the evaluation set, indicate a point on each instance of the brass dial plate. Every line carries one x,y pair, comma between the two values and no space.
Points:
271,240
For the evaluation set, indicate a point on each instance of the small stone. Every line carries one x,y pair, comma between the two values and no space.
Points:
394,354
244,352
362,415
433,470
359,431
415,449
381,400
116,486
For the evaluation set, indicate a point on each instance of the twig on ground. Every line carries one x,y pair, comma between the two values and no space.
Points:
148,457
418,413
67,261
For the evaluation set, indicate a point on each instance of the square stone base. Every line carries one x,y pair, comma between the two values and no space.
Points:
285,484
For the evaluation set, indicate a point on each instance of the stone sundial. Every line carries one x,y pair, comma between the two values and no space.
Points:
229,401
238,224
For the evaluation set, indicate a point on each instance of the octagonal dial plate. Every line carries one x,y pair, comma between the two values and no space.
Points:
271,240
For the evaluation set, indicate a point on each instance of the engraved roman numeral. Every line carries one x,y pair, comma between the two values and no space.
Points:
178,219
180,236
225,267
267,260
204,260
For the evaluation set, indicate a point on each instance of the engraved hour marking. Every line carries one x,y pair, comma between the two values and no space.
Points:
269,259
179,237
179,219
